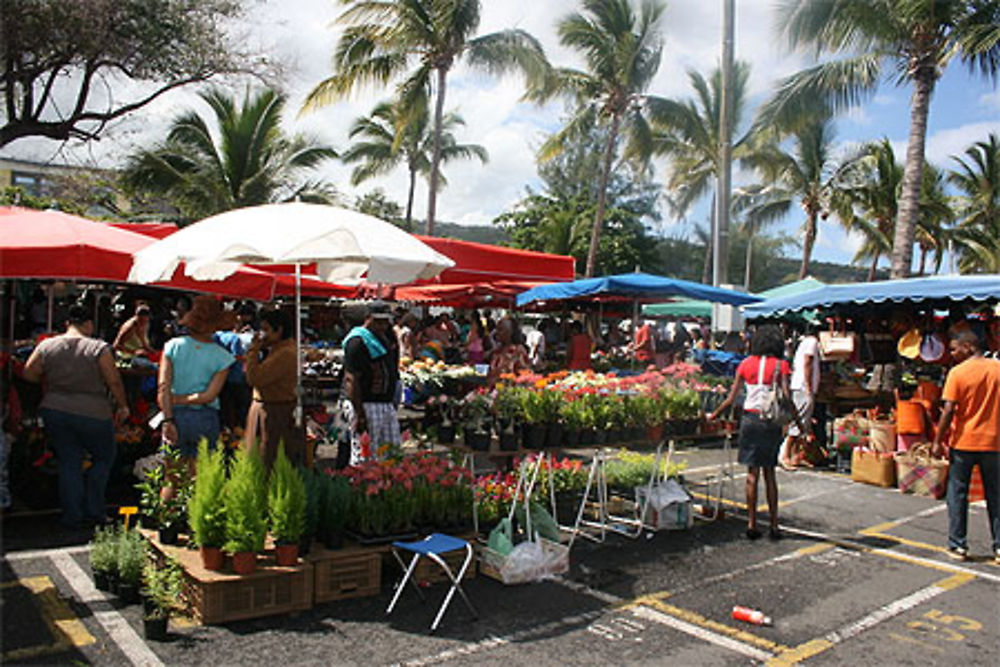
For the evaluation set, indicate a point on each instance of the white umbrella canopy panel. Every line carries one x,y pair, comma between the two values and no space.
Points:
345,245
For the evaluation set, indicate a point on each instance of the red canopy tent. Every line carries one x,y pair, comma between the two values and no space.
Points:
481,262
499,294
51,245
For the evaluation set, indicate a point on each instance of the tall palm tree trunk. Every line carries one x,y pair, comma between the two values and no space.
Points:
746,272
923,260
909,200
807,244
602,195
874,267
442,76
409,199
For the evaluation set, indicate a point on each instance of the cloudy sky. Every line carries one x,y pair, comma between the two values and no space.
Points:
301,35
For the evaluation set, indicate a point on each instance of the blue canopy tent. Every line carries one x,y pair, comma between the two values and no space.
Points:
932,289
633,286
699,308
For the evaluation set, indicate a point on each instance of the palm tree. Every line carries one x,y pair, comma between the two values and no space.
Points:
759,206
807,174
249,160
622,51
977,177
908,40
936,215
688,133
384,37
391,136
871,181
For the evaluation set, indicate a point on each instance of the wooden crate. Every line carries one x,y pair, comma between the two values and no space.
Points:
221,597
351,572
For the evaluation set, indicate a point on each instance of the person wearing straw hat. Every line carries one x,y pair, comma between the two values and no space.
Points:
193,371
972,397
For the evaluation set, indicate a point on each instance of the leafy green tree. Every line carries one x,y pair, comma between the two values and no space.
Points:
384,38
977,177
622,50
376,203
688,133
911,41
557,219
391,136
247,160
872,180
936,216
60,57
807,174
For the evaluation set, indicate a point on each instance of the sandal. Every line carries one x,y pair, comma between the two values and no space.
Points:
774,534
753,534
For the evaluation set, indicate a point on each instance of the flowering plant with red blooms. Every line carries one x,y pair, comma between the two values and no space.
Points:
397,495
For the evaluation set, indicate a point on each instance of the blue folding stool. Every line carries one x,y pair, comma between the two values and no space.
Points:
432,547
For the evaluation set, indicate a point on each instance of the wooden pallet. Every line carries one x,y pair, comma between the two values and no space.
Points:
221,597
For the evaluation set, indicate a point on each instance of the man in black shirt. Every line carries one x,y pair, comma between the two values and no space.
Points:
371,374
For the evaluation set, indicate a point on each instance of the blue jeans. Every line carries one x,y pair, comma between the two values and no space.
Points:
193,424
72,435
959,474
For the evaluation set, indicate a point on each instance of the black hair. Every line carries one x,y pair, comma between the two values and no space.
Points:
279,319
79,314
767,341
247,309
575,327
967,337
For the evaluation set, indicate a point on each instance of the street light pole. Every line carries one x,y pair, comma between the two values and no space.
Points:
725,167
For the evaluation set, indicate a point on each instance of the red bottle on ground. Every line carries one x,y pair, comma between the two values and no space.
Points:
750,615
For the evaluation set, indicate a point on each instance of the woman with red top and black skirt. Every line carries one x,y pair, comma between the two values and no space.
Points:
760,439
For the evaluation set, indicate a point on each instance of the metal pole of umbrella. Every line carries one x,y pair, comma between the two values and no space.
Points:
52,305
298,345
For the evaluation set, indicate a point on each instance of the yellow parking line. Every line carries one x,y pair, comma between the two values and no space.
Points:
66,629
799,653
721,628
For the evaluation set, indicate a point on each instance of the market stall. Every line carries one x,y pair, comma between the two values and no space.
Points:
885,351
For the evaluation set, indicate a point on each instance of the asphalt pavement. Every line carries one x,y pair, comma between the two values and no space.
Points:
861,577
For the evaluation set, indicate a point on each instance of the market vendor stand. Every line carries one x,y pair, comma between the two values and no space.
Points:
878,314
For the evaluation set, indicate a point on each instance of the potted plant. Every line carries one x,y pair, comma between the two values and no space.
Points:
441,411
507,413
286,509
131,554
535,415
150,489
104,558
163,587
572,413
245,506
336,507
206,509
313,483
475,420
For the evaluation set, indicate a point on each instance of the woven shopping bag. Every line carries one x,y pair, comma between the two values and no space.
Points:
851,431
871,467
921,474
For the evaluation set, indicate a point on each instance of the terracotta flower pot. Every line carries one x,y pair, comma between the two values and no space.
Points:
654,433
212,558
244,562
287,555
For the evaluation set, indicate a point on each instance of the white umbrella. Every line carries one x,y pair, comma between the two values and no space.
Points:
345,246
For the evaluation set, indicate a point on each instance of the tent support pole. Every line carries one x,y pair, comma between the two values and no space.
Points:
298,345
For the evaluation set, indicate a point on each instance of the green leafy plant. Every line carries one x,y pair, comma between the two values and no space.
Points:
685,404
206,508
475,410
163,586
246,503
104,550
313,483
286,501
573,413
631,469
131,554
507,405
541,406
337,504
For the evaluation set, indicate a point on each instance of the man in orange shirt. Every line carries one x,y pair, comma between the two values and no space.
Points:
972,396
644,347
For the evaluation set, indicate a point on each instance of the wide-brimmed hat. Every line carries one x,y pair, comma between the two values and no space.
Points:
932,348
909,344
207,316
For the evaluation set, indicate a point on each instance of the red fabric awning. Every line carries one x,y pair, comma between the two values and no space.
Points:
481,262
498,294
156,230
44,245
